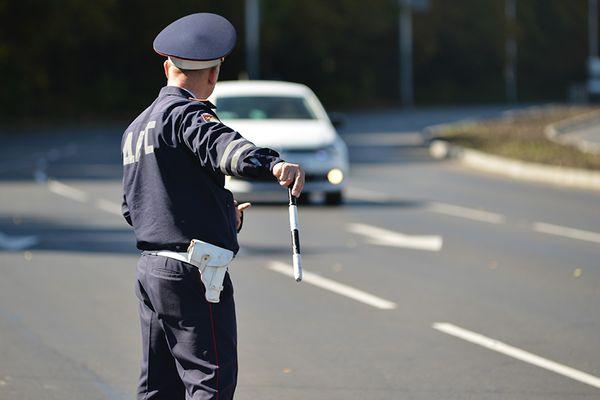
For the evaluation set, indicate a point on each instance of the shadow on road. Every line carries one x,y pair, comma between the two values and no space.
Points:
252,250
92,154
57,236
348,204
52,235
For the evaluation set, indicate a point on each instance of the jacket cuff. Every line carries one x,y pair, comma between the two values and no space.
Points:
275,161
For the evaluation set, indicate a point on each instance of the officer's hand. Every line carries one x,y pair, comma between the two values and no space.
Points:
290,174
239,209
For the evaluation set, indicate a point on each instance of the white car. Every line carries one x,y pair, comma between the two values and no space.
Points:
289,118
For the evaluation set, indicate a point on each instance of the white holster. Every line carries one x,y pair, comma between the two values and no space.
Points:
211,260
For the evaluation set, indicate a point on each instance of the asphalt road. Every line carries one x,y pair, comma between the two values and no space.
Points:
432,282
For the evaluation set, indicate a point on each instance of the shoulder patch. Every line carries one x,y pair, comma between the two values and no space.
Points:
208,117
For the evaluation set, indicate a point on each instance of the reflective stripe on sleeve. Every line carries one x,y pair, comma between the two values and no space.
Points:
236,156
223,163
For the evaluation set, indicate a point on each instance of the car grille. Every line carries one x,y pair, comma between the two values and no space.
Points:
299,151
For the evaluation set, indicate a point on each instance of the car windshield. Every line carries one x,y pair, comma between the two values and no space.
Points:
264,107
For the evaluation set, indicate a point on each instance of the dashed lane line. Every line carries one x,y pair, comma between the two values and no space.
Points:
466,212
108,206
384,237
377,235
437,207
369,195
81,196
308,277
482,216
335,287
517,353
67,191
564,231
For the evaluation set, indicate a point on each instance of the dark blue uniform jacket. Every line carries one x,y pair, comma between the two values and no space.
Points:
175,158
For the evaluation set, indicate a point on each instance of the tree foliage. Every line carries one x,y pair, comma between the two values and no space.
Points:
76,57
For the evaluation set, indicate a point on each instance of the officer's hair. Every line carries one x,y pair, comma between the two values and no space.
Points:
195,71
191,72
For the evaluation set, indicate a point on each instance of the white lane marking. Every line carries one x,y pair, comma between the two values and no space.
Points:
383,237
67,191
79,195
440,208
465,212
517,353
564,231
369,195
335,287
108,206
17,242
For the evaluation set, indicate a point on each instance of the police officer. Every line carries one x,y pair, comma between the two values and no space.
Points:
175,157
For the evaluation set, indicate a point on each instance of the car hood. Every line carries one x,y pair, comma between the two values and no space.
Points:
285,134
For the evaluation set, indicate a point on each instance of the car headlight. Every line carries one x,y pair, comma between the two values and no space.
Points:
335,176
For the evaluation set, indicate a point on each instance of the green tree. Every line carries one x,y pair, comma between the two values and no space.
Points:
71,58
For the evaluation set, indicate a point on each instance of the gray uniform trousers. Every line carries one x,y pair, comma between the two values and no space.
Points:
189,345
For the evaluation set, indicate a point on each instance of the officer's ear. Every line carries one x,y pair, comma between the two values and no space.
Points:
213,75
166,68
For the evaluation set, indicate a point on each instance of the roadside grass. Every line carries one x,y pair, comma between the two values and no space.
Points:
521,137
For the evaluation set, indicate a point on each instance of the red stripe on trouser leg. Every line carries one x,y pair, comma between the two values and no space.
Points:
214,336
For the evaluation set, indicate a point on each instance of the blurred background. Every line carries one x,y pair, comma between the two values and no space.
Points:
69,58
462,262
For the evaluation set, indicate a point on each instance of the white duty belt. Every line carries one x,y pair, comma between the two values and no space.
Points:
211,260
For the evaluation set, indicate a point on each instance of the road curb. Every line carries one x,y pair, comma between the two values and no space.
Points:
559,132
521,170
436,131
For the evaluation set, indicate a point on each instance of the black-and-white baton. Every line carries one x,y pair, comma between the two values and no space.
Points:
295,227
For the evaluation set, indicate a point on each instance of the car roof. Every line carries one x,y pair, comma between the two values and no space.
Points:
226,88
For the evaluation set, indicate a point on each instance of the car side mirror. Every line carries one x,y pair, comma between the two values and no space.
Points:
338,120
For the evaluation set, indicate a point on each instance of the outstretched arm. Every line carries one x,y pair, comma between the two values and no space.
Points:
220,148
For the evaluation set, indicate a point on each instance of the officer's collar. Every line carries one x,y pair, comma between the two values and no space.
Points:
179,91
